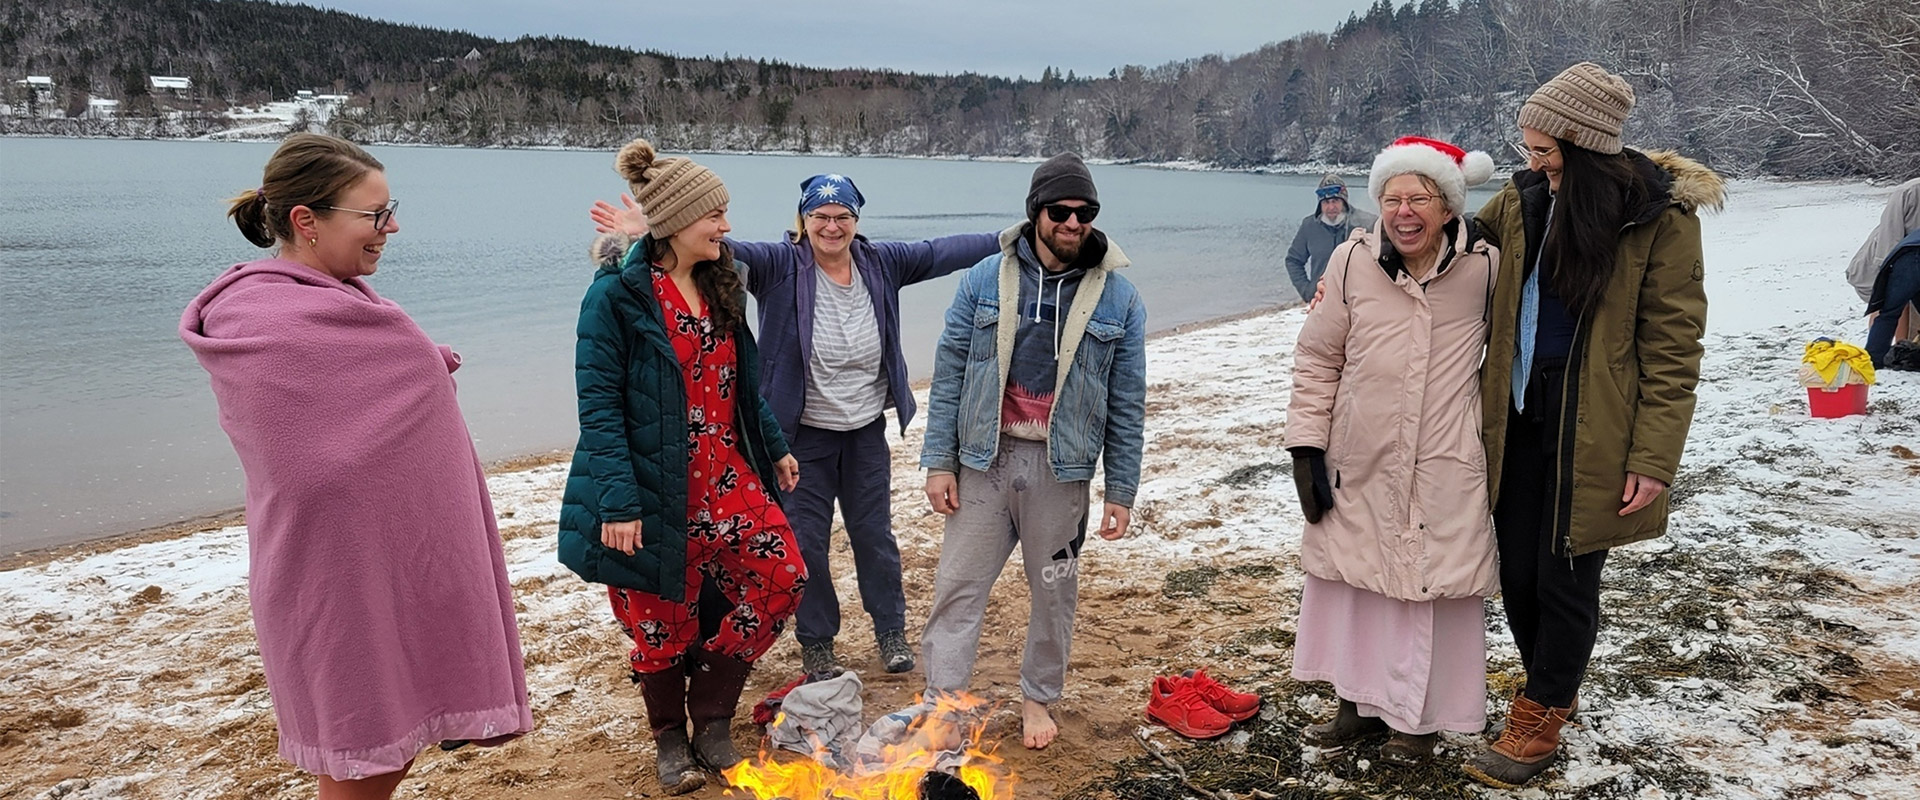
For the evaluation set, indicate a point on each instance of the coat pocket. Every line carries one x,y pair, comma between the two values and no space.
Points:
1097,347
986,332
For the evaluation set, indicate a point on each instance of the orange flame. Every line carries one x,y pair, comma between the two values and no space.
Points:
955,724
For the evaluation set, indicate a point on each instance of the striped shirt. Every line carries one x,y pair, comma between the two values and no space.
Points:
846,386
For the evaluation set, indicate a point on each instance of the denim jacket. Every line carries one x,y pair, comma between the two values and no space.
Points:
1100,401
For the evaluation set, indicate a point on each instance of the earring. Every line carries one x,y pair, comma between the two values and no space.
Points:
311,241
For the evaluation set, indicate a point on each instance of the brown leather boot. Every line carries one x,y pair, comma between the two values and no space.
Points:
712,694
665,693
1346,726
1528,746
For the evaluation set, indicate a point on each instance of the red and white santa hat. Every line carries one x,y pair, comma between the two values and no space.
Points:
1452,168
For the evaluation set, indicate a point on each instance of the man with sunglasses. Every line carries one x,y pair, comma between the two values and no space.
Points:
1333,219
1040,373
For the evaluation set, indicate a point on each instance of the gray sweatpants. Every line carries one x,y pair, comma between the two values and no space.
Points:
1016,501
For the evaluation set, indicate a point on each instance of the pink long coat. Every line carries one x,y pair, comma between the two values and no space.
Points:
1386,379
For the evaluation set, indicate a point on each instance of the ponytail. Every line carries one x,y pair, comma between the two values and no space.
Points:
249,213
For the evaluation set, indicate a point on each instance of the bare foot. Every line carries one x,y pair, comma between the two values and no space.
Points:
1037,725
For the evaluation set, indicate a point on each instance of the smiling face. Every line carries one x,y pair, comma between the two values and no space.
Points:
1063,239
830,228
1413,215
345,244
700,241
1548,164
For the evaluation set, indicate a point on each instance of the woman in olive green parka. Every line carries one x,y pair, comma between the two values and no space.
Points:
1634,397
1588,385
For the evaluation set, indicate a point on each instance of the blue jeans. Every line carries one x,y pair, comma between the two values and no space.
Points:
1903,287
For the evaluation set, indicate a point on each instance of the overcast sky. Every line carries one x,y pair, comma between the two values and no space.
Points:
995,37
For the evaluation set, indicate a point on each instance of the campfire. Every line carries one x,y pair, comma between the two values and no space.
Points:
936,757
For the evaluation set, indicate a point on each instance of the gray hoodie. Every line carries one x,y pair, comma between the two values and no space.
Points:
1044,300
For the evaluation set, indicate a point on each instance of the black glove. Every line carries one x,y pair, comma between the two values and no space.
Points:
1310,478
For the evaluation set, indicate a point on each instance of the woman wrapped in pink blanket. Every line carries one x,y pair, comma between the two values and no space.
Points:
379,591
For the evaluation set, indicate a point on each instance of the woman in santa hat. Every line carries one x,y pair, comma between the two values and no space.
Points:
1384,427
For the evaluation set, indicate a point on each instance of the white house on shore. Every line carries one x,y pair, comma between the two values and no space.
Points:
176,86
102,108
38,96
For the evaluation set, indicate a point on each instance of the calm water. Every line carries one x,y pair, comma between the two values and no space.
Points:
106,421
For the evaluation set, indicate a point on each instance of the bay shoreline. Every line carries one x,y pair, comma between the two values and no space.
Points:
516,463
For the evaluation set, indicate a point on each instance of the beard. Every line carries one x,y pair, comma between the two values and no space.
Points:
1065,253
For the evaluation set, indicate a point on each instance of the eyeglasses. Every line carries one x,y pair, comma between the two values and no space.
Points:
1528,154
842,220
380,218
1419,202
1084,213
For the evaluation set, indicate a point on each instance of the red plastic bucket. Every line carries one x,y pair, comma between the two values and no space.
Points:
1843,402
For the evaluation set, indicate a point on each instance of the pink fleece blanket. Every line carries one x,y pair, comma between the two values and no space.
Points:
379,592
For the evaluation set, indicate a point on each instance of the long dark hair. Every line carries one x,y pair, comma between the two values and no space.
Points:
718,281
1598,194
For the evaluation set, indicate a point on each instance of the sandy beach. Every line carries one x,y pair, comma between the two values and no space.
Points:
1768,647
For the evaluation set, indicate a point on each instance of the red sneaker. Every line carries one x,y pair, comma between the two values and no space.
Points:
1236,706
1178,705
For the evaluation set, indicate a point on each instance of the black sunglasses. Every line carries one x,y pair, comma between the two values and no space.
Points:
1084,213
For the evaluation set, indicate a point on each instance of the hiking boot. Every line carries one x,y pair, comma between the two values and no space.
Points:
1180,706
1527,747
818,660
1346,727
1237,706
895,655
1573,715
1409,749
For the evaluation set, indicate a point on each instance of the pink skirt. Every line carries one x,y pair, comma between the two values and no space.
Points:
1420,667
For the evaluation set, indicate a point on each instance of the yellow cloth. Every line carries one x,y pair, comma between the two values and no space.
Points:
1826,356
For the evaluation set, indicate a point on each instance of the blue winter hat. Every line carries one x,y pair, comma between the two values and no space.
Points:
830,189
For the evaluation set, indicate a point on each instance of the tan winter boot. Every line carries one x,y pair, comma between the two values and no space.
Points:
1528,746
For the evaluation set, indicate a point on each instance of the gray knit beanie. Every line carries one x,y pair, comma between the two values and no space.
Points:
1063,177
1584,104
672,191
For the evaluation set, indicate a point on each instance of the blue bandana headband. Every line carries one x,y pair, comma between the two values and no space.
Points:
1336,190
825,190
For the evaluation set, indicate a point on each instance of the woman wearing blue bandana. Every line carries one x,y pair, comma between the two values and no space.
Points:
830,364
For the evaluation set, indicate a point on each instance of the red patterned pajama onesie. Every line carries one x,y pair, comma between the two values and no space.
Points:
736,535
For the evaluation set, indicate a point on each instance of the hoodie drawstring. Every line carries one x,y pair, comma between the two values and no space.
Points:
1040,294
1056,322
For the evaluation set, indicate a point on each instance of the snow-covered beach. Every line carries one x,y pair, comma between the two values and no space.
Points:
1768,647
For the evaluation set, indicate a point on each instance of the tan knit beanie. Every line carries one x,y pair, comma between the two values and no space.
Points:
1584,104
672,191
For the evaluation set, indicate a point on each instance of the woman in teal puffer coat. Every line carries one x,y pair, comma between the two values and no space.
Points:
671,486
